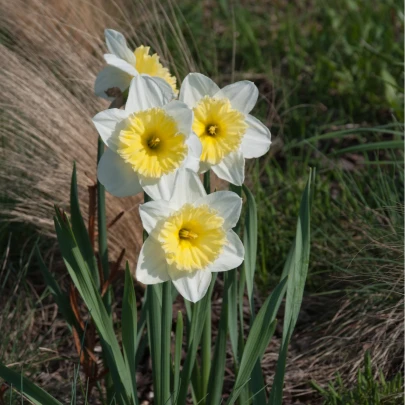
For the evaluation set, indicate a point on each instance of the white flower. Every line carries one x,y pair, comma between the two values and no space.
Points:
123,64
228,134
147,142
190,236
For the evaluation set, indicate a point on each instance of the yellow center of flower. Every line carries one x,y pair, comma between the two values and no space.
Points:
151,143
219,127
150,65
193,237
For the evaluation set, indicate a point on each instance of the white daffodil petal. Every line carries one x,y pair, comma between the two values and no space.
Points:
192,161
187,188
159,189
116,176
257,139
204,167
231,257
194,87
164,86
152,212
117,45
109,78
182,115
119,63
242,95
192,286
232,168
227,203
152,265
109,123
144,93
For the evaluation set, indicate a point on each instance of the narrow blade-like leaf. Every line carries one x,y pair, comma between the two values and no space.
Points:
129,327
80,230
297,269
31,391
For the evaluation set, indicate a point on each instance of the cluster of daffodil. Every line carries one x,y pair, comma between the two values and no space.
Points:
159,144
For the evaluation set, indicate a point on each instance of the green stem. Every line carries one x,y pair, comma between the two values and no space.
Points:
166,341
102,230
206,336
154,319
206,352
103,254
154,333
207,181
177,353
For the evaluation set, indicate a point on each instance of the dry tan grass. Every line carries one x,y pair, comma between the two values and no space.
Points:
51,53
335,331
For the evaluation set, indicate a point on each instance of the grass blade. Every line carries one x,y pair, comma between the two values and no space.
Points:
371,146
343,133
30,390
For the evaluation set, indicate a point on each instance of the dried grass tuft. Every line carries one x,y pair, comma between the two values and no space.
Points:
51,53
334,332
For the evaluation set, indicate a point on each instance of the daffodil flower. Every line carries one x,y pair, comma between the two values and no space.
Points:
147,142
228,134
123,64
190,237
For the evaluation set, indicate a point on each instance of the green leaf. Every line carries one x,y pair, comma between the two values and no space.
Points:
82,279
102,229
216,377
154,322
31,391
80,230
297,268
232,293
260,334
256,350
194,337
166,342
129,327
141,338
250,242
235,294
177,352
206,352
